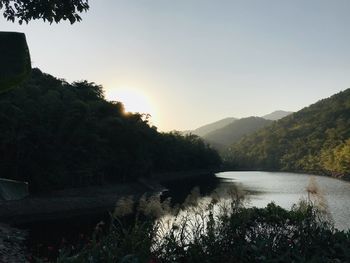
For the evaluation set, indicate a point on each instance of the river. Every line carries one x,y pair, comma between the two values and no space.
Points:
286,189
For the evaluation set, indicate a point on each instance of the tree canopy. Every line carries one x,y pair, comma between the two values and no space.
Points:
54,134
47,10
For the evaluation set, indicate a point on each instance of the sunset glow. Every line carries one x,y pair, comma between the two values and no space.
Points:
133,99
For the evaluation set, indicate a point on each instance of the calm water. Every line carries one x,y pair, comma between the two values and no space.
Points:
286,189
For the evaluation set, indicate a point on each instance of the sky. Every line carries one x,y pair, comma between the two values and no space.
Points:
192,62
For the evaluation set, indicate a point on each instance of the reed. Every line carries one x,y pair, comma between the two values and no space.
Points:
216,229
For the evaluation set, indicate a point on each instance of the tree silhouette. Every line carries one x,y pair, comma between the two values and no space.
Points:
55,134
47,10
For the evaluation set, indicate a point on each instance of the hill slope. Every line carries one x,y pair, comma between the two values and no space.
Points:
54,135
231,133
276,115
316,138
204,130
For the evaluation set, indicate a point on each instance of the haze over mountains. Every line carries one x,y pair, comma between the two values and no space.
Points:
276,115
204,130
314,139
223,133
221,138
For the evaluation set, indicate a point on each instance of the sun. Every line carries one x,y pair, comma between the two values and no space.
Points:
133,99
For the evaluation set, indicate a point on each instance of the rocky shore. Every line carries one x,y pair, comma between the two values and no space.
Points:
12,246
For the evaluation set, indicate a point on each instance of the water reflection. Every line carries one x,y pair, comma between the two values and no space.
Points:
179,190
286,189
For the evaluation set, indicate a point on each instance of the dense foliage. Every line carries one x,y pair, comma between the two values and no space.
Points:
316,138
47,10
54,134
217,231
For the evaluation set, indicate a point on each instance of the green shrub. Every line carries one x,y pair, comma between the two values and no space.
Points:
219,229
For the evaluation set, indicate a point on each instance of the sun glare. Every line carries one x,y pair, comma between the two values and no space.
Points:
133,100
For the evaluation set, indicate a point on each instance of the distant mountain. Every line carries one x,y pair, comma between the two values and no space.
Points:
211,127
204,130
276,115
316,138
225,136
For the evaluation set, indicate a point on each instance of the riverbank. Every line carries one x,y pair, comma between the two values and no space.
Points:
12,247
84,201
65,214
66,203
345,177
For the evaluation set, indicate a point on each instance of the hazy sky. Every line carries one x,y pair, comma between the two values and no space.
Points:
196,61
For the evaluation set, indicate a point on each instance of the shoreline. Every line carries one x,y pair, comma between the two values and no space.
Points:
344,177
66,203
69,203
92,200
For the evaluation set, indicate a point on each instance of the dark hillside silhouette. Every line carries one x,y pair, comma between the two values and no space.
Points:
54,134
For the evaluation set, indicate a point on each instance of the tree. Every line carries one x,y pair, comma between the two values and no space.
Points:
55,134
47,10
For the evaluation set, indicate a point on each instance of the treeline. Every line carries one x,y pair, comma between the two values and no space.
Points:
316,138
54,134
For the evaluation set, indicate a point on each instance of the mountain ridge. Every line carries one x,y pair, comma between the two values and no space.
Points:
221,138
210,127
207,128
316,138
276,115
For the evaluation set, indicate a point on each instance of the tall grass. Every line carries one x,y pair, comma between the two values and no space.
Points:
217,229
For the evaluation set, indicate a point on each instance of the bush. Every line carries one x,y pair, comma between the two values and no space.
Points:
216,229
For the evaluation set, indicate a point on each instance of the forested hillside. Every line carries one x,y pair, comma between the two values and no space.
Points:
222,138
316,138
204,130
54,134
